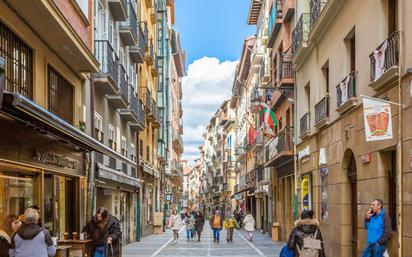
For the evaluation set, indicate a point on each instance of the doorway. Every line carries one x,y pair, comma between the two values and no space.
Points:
350,164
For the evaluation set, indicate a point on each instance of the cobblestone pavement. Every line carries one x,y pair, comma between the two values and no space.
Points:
162,245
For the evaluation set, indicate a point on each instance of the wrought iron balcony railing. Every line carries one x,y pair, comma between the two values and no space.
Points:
390,49
301,32
305,124
322,109
316,7
346,89
107,58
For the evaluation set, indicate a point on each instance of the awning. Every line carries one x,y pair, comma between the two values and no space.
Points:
33,115
117,176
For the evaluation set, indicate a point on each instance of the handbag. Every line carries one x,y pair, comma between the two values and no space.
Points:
109,247
286,252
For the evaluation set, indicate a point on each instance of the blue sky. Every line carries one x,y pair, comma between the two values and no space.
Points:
212,33
213,28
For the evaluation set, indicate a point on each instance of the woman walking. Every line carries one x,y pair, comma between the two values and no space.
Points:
216,222
229,225
104,230
199,223
190,225
305,226
175,222
10,226
249,225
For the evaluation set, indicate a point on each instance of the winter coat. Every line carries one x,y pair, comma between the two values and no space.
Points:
199,223
175,221
379,228
29,239
229,222
302,228
249,223
5,241
212,221
190,222
100,237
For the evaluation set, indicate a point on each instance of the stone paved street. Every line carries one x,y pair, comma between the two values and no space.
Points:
162,245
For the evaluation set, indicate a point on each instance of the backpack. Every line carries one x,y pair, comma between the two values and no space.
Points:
286,252
311,246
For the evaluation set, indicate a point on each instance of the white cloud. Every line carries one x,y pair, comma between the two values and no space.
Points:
207,84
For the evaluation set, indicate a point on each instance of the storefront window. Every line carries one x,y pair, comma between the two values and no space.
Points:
325,196
16,193
307,192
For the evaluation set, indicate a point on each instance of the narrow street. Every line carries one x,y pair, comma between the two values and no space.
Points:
163,245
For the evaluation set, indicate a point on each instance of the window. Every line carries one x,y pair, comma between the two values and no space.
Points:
132,152
141,148
123,146
324,194
325,70
84,7
98,126
112,137
60,96
19,60
306,192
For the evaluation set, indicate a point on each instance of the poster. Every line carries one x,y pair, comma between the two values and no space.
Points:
325,195
306,192
378,119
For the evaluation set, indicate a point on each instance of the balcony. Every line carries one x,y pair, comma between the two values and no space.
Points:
257,144
346,93
134,114
147,96
265,72
384,63
150,58
137,52
118,9
177,143
263,176
254,11
316,7
275,22
56,30
156,114
257,57
322,112
120,100
99,135
107,77
300,35
288,9
304,126
280,149
286,74
128,28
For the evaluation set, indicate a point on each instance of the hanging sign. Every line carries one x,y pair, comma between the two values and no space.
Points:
378,119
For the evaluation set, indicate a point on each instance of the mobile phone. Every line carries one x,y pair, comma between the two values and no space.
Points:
371,211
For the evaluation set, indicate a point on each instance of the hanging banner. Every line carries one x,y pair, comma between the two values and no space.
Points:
378,119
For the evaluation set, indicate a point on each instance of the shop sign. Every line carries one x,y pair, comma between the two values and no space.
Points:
322,156
55,159
378,119
305,152
117,177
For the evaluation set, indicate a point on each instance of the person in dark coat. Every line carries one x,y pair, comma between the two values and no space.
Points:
104,230
7,229
306,225
199,223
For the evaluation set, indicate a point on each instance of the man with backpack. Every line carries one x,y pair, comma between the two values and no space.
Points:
379,226
305,240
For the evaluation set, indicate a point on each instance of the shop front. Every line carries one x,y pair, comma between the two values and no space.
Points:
43,168
119,193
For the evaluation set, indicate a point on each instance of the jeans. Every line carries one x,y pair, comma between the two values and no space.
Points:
374,250
188,233
99,251
216,234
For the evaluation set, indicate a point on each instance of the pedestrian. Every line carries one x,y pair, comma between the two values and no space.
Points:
306,227
249,225
379,226
229,225
216,222
30,238
9,226
190,225
104,230
175,222
199,223
37,208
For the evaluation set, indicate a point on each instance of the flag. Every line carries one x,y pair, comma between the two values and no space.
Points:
252,134
268,118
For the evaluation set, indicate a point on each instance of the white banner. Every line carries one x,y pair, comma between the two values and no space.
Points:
378,119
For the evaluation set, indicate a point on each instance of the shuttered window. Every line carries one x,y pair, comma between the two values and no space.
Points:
60,96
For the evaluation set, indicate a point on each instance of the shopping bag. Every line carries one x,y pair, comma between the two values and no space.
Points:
286,252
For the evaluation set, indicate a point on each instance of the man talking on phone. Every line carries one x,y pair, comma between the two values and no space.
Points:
378,224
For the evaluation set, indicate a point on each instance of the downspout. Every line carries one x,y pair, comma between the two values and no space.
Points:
400,143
